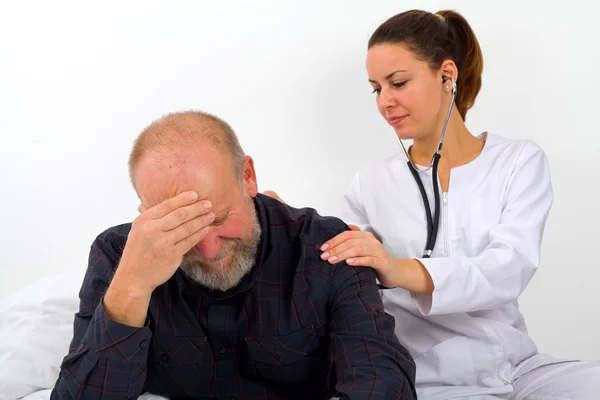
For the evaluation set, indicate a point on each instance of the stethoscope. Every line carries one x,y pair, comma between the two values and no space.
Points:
432,222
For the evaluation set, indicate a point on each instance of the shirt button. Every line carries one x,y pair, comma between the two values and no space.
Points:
143,344
165,357
223,350
232,398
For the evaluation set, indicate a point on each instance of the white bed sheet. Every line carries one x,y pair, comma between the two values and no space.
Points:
36,327
45,395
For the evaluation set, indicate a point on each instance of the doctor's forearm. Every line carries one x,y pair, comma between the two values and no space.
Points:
411,275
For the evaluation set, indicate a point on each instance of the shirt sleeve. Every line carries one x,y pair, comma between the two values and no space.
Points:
353,211
501,272
106,360
369,361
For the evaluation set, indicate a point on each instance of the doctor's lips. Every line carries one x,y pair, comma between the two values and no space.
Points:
396,120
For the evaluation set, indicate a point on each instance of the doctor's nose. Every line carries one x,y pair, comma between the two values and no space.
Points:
386,98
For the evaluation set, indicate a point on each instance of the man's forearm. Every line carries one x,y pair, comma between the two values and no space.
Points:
113,348
110,361
124,303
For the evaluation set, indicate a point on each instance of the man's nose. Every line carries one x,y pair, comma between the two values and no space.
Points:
210,245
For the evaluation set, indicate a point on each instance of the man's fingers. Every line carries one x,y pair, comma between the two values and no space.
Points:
190,227
184,214
166,207
187,243
141,209
354,227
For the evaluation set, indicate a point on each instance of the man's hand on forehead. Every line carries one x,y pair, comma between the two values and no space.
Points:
193,197
157,242
161,235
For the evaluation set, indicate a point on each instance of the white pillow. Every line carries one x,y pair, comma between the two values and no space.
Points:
36,327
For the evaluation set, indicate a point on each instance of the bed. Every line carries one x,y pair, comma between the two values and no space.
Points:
36,326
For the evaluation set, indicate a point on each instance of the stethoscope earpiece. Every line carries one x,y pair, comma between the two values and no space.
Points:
446,78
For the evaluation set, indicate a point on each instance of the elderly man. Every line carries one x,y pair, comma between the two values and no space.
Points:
217,291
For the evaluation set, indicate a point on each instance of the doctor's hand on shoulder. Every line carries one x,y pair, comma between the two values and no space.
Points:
363,249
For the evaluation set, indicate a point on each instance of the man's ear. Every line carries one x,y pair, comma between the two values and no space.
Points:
250,177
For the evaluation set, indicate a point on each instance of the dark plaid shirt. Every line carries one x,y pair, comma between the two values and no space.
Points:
295,328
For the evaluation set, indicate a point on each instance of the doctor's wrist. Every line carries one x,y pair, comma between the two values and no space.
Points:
412,275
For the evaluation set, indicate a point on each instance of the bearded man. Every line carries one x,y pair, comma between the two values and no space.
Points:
218,291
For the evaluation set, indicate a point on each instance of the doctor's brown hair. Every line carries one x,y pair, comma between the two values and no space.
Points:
434,38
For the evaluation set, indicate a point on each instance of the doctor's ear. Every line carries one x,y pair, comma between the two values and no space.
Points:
448,70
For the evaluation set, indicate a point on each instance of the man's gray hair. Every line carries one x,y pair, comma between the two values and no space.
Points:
186,128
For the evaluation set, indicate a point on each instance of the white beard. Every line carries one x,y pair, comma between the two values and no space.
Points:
226,273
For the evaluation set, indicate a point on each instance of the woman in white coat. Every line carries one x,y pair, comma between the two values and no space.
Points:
456,311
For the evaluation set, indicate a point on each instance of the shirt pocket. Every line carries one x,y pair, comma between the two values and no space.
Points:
291,360
179,365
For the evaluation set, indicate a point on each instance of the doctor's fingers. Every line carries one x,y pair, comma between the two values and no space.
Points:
352,250
364,257
360,243
332,254
344,237
375,263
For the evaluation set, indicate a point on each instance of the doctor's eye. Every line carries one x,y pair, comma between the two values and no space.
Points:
399,84
376,90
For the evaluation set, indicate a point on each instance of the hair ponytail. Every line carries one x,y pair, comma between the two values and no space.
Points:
469,60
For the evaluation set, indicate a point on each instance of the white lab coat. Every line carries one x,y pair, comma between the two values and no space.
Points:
470,332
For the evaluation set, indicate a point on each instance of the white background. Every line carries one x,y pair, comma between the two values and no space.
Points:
79,81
